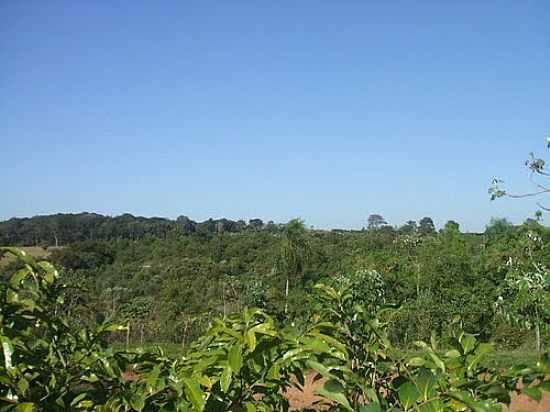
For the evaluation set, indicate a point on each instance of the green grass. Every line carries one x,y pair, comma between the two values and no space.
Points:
507,359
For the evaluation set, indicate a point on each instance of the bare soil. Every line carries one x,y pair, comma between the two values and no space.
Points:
307,398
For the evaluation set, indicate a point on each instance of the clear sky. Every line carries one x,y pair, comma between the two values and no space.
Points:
327,110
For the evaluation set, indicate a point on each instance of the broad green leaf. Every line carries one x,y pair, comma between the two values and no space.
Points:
7,348
18,276
137,401
23,386
408,394
194,393
533,393
250,338
468,343
453,353
25,407
225,379
482,350
78,398
475,406
425,382
235,358
334,391
416,361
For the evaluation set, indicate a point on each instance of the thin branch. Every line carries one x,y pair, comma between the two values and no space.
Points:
527,194
537,184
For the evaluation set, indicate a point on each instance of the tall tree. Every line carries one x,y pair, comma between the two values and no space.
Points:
376,221
426,226
294,254
408,228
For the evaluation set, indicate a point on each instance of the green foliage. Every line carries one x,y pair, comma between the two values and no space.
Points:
525,294
244,361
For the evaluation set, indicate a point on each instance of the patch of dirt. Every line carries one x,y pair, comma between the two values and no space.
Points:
524,403
307,398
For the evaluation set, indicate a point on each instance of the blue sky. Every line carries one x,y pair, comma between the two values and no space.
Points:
321,109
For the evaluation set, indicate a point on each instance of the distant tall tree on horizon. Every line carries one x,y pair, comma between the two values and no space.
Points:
295,253
426,226
376,221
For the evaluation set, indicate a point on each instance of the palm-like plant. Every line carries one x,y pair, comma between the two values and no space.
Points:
295,253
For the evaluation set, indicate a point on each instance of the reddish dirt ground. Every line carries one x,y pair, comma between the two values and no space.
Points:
307,398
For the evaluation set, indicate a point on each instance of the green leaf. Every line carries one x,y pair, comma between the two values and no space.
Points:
18,277
78,398
235,358
416,361
320,368
533,393
250,407
468,343
482,350
23,386
7,348
475,406
408,394
25,407
225,379
334,391
137,401
425,383
194,393
437,360
250,338
453,353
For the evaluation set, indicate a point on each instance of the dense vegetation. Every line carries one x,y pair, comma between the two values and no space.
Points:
244,362
169,288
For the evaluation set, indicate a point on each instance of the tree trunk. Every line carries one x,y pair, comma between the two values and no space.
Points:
141,336
128,335
537,332
286,294
184,337
223,299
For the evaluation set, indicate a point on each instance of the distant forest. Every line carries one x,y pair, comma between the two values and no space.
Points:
65,228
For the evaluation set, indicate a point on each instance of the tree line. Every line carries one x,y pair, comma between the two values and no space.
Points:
65,228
